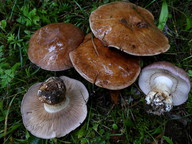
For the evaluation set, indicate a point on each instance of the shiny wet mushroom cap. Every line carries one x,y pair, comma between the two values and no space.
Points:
128,27
55,107
165,86
105,67
49,46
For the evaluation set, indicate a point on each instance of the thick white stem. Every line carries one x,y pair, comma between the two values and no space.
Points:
56,107
160,97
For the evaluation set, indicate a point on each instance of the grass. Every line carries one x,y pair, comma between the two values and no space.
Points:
127,122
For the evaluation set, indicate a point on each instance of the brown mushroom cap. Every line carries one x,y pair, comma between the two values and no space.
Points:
128,27
48,125
49,46
181,82
105,67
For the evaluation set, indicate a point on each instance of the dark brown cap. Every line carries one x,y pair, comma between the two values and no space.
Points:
128,27
49,46
105,67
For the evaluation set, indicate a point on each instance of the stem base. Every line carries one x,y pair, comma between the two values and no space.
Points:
160,102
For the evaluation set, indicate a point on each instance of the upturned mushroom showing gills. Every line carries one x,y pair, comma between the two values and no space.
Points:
55,107
165,86
105,67
49,46
128,27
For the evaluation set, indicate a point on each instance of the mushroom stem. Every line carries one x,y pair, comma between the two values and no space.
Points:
56,107
115,94
160,97
52,94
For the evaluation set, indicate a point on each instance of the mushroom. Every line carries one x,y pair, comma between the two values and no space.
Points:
105,67
165,86
55,107
49,46
128,27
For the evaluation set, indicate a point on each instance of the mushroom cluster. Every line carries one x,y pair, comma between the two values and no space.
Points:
131,29
122,32
57,106
107,57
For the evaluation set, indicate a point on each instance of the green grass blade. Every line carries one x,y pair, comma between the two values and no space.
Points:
163,15
168,140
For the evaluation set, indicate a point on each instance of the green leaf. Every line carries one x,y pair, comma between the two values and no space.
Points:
28,17
35,140
81,133
54,4
16,65
128,123
2,118
11,38
168,140
3,24
188,23
6,75
36,20
28,22
157,131
32,13
45,19
190,73
1,51
163,15
137,142
114,126
101,131
95,127
25,10
84,141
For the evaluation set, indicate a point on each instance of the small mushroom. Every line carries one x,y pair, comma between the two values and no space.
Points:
55,107
49,46
105,67
165,86
128,27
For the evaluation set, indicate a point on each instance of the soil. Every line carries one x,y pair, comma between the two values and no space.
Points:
178,131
